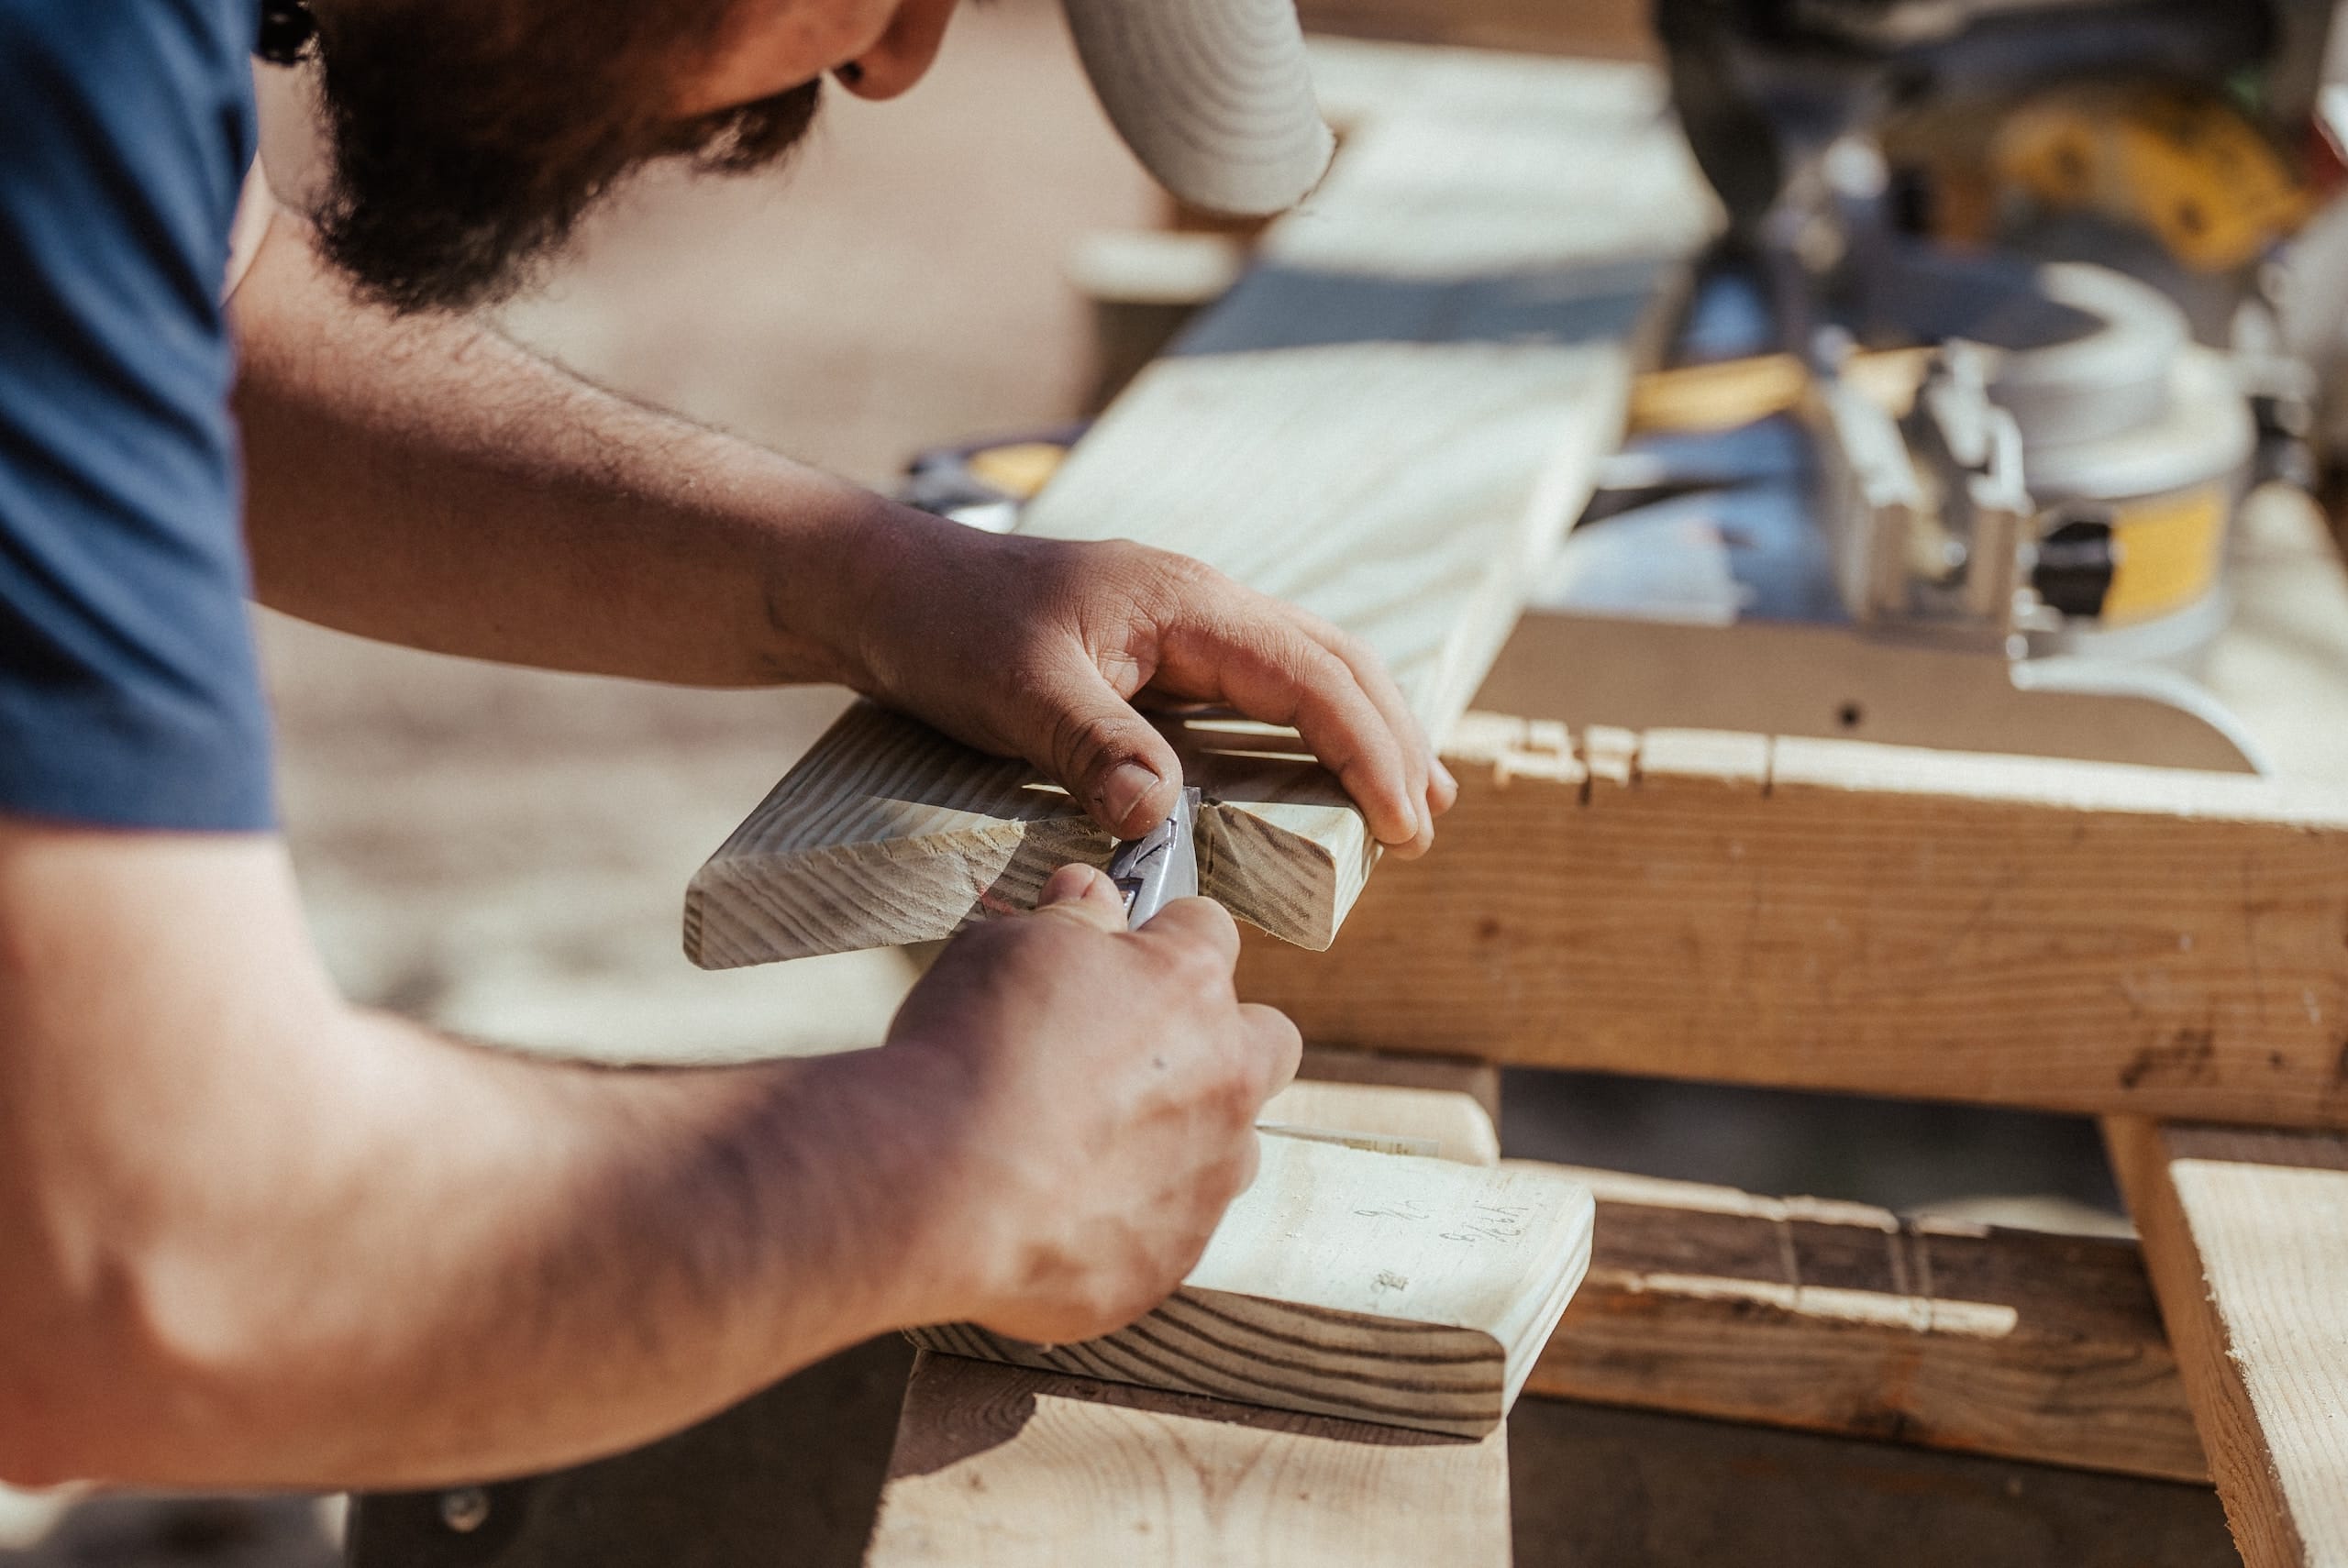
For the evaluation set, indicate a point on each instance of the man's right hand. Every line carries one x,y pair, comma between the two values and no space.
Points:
1109,1082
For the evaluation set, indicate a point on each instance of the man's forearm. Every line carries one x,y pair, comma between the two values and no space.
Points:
429,482
256,1238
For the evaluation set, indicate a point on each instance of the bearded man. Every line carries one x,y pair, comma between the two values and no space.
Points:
251,1235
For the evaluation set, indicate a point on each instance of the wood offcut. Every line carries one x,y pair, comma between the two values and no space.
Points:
1372,1287
1390,422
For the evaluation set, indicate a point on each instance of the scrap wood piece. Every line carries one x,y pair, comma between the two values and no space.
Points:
997,1465
1372,1287
1844,1318
1839,915
1402,490
2246,1236
1476,304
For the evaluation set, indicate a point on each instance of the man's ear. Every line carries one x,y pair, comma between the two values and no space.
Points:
903,53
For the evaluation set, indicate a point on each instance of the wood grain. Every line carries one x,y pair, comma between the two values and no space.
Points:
1401,491
1842,1318
1823,914
2246,1236
1006,1466
1372,1287
1388,423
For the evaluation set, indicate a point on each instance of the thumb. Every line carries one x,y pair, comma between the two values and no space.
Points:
1108,756
1082,893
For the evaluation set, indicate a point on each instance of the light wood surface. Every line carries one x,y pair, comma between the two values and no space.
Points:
2246,1236
1449,1124
1835,915
1006,1466
1842,1318
1413,1292
1389,424
1481,1081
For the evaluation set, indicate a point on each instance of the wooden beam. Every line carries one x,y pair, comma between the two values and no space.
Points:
1006,1466
1842,1318
1596,1485
1372,1287
1833,915
2246,1236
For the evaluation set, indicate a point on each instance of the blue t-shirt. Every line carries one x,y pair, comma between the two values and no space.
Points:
129,694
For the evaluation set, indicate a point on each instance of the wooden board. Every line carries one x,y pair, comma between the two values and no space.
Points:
1007,1466
1402,490
1372,1287
1833,915
1389,423
1842,1318
2246,1236
1441,1124
1598,1486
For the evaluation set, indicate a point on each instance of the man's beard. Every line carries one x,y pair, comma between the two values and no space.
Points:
469,137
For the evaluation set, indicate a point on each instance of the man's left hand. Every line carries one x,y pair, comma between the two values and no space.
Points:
1039,647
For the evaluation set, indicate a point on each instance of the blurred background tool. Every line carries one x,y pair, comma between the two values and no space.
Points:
2073,224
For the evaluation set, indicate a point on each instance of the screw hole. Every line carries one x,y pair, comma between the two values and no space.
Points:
1849,715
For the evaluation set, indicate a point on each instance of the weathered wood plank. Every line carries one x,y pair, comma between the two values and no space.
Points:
2246,1236
1371,1287
1025,1468
1596,1485
1824,914
1844,1318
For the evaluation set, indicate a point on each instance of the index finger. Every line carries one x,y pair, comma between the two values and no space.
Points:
1269,668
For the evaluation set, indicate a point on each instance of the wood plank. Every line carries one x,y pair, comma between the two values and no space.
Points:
1834,915
1026,1469
1402,490
1446,1124
1389,423
1844,1318
1481,1081
1597,1485
2246,1236
1371,1287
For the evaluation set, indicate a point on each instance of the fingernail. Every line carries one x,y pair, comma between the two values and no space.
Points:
1444,774
1128,785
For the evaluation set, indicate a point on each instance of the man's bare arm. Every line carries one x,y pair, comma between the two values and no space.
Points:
427,482
255,1237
